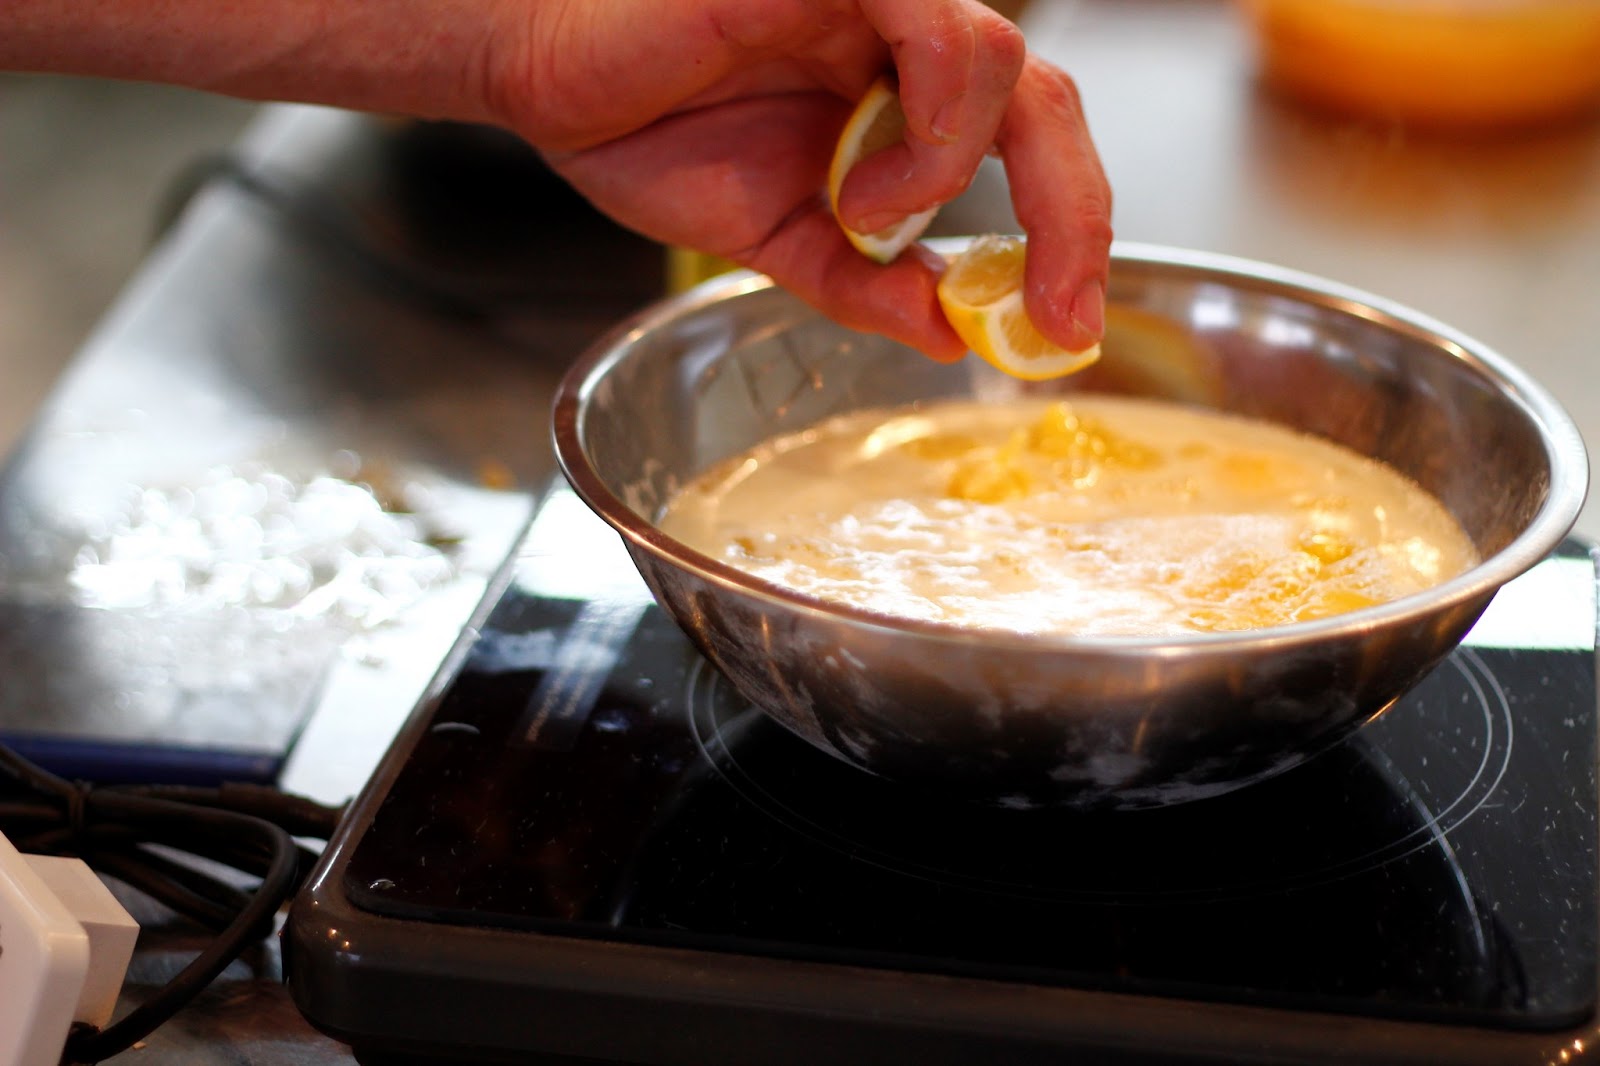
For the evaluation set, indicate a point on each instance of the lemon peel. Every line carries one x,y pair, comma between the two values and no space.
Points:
878,122
981,296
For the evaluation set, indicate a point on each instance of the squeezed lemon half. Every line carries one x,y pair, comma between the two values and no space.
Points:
981,295
981,292
878,122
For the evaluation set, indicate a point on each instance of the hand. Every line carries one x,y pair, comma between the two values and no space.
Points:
711,124
704,123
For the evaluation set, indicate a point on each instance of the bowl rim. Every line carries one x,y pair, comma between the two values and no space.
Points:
1563,444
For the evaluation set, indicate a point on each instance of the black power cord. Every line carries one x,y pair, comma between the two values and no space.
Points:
137,834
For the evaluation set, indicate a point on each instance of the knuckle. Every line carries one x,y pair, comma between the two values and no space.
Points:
1055,87
1094,223
1003,42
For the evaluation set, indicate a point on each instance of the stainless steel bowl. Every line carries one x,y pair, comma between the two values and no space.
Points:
1029,720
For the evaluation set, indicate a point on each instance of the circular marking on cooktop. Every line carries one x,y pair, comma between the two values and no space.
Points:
1398,786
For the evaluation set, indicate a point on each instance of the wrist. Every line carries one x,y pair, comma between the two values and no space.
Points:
396,56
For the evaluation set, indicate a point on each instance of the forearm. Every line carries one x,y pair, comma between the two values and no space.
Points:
433,58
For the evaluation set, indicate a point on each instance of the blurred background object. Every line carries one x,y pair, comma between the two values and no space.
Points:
1444,62
86,170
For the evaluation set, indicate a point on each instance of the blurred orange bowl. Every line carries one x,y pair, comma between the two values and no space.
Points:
1441,62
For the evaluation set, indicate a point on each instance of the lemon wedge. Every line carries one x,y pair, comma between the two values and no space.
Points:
981,295
878,122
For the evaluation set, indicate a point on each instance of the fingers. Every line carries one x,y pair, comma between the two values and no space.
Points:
1058,187
1063,201
957,62
737,165
743,180
935,48
810,257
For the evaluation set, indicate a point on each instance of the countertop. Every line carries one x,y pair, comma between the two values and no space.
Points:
333,301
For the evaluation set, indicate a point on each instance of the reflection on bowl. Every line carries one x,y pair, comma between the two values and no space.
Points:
1026,720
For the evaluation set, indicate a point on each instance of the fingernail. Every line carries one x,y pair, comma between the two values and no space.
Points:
1089,310
947,120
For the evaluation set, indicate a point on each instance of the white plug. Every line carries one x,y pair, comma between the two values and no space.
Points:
65,943
110,929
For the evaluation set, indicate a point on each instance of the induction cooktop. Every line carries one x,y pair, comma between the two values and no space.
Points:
584,846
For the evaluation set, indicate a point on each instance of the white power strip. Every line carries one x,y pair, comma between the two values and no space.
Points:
65,943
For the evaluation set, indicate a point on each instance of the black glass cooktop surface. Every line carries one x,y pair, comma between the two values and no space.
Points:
584,775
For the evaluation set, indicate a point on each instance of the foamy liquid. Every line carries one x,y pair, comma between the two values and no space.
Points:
1105,516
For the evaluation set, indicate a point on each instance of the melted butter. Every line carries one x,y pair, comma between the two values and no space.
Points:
1106,516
